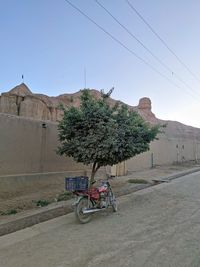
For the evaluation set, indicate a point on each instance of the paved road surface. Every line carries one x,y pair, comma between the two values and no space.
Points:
156,227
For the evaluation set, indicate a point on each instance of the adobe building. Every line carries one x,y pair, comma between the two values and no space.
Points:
29,139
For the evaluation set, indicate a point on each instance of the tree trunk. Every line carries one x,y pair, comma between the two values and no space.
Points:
95,168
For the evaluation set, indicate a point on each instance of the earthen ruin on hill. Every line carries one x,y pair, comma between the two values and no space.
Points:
20,101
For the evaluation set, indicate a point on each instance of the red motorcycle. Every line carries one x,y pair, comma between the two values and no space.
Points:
90,200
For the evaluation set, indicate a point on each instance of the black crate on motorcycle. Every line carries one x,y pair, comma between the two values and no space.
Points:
76,183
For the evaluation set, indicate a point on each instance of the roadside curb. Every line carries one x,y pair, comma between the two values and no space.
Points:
176,175
30,218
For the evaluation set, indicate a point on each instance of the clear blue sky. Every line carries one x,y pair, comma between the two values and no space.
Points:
50,43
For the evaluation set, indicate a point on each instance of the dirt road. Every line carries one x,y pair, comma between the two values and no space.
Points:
156,227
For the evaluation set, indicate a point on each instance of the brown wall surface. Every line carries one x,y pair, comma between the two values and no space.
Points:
18,185
166,151
28,160
27,147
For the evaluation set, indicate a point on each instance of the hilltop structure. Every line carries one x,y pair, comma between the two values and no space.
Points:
20,101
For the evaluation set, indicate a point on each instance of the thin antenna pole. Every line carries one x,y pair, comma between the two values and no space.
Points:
22,77
85,76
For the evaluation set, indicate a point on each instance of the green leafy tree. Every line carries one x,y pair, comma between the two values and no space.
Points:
101,135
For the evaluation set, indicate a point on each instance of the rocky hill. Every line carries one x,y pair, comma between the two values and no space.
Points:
21,101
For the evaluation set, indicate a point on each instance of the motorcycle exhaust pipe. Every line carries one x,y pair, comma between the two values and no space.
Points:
92,210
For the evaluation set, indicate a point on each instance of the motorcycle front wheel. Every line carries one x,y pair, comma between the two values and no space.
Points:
82,205
113,201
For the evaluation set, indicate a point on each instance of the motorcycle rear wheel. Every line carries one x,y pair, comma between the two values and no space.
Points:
80,207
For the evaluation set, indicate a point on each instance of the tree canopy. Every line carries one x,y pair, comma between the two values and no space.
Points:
97,133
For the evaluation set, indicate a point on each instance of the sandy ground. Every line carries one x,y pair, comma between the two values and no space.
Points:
120,185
